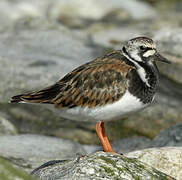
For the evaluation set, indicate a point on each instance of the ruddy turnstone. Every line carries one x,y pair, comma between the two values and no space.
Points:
106,88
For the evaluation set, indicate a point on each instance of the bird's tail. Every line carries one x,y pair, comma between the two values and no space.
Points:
43,96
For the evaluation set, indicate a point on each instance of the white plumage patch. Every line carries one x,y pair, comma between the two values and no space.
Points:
142,75
127,104
135,56
140,69
149,53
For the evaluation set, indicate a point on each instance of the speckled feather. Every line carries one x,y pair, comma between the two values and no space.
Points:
96,83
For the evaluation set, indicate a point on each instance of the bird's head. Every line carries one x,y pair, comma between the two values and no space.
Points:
142,49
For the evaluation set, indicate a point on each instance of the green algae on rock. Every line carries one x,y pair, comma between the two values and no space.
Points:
99,165
8,172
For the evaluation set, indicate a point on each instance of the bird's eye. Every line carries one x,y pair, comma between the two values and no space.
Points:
142,48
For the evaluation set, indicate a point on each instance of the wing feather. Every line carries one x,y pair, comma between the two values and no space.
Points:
96,83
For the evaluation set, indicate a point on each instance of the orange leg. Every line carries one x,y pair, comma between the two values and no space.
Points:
100,130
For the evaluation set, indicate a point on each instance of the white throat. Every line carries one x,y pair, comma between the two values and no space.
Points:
136,57
141,71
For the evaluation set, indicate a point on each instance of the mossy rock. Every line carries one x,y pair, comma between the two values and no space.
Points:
8,172
97,166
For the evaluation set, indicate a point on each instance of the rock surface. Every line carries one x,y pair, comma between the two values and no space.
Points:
130,144
167,160
73,14
170,42
46,55
90,9
99,166
6,127
169,137
103,7
8,172
111,37
30,151
124,145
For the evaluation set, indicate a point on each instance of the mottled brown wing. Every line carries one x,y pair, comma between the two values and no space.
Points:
43,96
94,84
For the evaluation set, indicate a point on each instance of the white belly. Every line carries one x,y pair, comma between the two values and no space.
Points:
127,104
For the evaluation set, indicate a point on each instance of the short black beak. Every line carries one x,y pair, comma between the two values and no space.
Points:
161,58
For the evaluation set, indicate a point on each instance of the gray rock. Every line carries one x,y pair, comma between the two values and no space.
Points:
170,42
92,148
22,12
30,151
20,9
67,12
124,145
169,137
179,6
43,54
6,127
97,9
97,166
167,160
8,172
114,37
130,144
174,72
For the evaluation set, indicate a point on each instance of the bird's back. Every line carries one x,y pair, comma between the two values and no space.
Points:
95,83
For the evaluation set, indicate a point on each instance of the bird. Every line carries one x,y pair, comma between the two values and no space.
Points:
107,88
